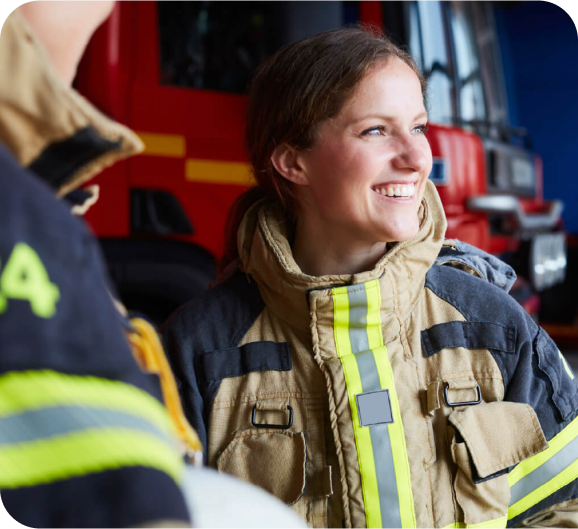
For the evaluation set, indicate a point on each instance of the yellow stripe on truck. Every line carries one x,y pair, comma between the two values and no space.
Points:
171,145
217,172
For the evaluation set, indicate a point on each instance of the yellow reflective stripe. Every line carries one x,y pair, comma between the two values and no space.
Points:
171,145
568,475
396,433
341,321
496,523
81,453
28,390
354,387
555,445
525,468
374,334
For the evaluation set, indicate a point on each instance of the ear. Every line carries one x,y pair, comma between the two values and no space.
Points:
287,161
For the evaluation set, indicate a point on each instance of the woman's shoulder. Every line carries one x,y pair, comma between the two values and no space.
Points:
476,298
474,282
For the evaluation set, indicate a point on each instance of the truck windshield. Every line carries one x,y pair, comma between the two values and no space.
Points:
471,91
428,44
217,45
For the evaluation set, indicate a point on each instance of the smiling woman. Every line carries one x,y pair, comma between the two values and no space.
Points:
351,361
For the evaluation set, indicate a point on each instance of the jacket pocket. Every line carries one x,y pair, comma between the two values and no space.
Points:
271,459
486,441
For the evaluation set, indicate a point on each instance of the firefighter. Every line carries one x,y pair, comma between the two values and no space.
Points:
85,438
355,364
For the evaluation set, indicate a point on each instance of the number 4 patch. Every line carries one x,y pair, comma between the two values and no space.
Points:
24,277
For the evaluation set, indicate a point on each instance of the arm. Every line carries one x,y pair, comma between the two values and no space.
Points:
86,440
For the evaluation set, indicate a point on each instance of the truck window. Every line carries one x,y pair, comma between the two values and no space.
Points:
490,62
216,45
471,91
428,44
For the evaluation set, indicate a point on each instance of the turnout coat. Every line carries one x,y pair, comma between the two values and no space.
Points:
417,394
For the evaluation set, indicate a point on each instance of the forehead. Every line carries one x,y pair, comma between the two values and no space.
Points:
390,87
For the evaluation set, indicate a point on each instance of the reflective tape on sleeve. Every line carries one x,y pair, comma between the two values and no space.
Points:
55,426
381,449
539,476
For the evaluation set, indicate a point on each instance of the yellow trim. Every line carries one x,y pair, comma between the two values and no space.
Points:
497,523
218,172
81,453
29,390
555,445
353,383
570,473
171,145
396,434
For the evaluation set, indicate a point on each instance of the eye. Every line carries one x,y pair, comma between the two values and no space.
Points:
421,129
374,131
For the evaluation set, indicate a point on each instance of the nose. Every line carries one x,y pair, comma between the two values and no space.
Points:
413,155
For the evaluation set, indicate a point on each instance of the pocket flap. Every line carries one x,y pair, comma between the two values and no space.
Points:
274,461
499,435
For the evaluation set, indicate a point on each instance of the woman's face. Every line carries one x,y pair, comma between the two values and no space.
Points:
367,170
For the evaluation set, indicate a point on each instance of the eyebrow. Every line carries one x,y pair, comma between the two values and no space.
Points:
423,114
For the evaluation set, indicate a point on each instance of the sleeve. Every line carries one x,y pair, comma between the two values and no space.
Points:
544,487
84,438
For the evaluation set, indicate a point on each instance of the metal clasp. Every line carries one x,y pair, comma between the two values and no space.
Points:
278,426
470,403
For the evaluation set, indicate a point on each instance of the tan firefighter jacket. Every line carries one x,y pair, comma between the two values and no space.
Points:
411,395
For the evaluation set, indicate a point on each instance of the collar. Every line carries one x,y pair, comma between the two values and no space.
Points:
48,126
266,256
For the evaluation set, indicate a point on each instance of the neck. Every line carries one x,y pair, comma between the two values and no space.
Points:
321,250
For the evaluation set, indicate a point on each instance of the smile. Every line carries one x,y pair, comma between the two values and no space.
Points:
398,191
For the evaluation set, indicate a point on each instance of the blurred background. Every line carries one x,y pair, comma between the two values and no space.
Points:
502,105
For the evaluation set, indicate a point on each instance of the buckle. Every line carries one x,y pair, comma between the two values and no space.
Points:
470,403
278,426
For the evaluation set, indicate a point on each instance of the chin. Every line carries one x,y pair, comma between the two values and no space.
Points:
401,233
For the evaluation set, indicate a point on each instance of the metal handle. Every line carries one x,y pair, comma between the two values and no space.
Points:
278,426
470,403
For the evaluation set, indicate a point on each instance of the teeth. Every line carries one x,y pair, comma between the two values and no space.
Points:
397,190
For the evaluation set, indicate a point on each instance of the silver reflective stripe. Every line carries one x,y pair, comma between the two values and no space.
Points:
358,320
43,423
545,472
379,433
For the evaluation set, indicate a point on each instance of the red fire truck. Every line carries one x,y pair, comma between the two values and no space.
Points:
176,73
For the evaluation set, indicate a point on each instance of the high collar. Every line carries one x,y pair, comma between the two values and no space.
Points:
47,125
266,256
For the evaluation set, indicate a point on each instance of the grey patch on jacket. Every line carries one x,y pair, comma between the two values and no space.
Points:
485,265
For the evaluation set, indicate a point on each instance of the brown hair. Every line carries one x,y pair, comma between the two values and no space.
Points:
291,93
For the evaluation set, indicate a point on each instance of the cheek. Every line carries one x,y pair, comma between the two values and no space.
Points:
335,171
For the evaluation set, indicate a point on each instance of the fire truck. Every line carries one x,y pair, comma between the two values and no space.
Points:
177,73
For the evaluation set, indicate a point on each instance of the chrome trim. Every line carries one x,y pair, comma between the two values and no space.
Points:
510,205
